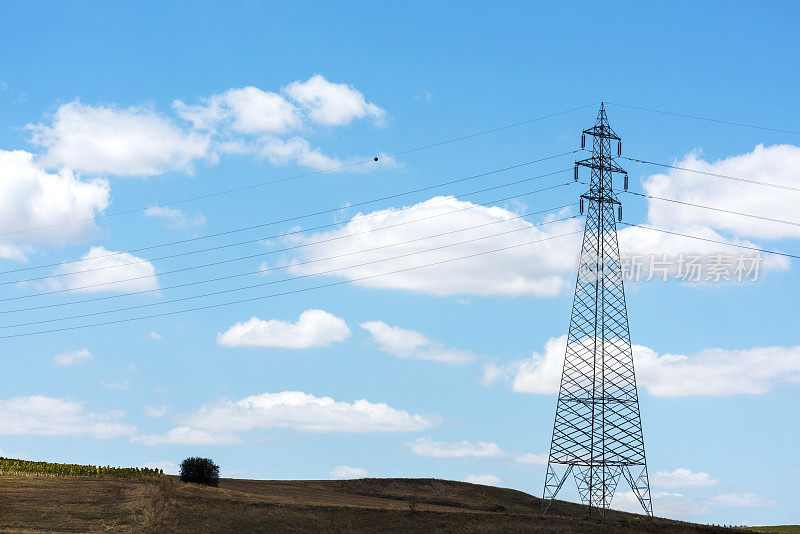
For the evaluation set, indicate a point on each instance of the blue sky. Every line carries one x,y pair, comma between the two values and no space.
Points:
444,371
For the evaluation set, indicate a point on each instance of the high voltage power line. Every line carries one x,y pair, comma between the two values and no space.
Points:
709,240
712,208
706,119
317,213
337,209
216,279
180,254
300,290
299,277
725,176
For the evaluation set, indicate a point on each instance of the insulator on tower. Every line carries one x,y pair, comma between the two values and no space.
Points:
583,141
581,206
626,182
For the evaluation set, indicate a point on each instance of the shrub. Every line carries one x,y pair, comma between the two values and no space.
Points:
200,471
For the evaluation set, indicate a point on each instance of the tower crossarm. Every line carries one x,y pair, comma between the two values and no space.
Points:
601,164
602,130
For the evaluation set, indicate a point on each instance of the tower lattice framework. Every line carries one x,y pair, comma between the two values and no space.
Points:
597,435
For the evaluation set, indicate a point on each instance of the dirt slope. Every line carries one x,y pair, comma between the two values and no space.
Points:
43,504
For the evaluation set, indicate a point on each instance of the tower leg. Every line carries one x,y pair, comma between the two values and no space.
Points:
640,485
552,485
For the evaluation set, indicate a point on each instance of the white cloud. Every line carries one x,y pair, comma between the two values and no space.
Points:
742,500
154,335
314,328
170,468
220,422
175,218
249,110
412,344
296,150
38,415
155,411
105,270
458,449
345,472
679,506
184,435
530,458
683,478
711,372
31,197
332,104
776,164
717,372
72,358
486,480
541,269
134,141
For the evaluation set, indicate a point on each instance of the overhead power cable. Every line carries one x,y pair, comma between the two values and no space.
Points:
707,119
309,243
303,175
290,292
139,261
712,208
271,282
303,216
726,243
725,176
261,271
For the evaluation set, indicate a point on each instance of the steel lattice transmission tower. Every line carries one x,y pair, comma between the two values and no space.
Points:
597,435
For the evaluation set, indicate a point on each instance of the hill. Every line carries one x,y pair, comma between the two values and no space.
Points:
35,503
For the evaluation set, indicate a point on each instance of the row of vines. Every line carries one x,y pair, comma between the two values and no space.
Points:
11,465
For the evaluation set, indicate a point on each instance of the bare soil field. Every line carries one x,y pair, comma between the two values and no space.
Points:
31,503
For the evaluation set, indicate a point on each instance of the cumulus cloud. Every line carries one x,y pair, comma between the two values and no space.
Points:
412,344
345,472
221,422
105,270
683,478
541,269
249,110
276,126
679,506
486,480
38,415
184,435
296,150
332,104
51,203
457,449
314,328
710,372
776,164
134,141
175,218
72,358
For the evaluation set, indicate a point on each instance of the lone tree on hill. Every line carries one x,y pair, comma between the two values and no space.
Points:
200,471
